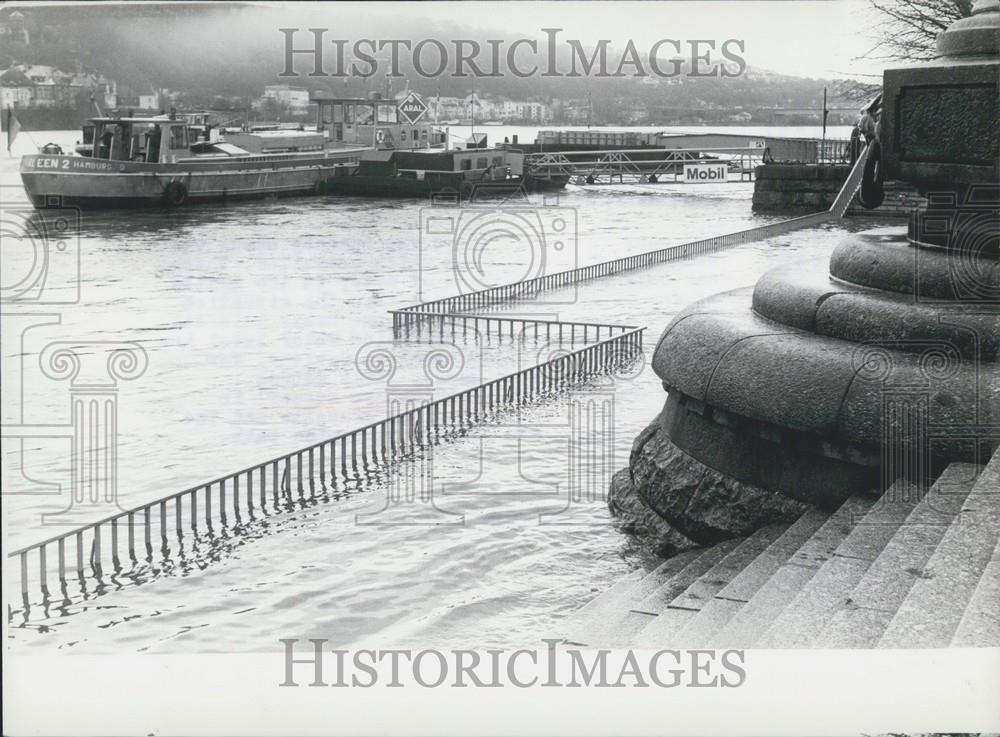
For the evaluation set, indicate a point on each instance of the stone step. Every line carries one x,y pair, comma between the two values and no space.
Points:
716,614
621,628
980,625
660,632
601,605
609,617
760,612
659,599
939,600
863,618
827,590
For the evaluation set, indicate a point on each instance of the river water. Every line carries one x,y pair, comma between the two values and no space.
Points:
253,318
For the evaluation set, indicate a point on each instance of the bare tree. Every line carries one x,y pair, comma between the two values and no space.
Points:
912,26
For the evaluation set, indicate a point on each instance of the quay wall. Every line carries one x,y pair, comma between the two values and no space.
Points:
811,187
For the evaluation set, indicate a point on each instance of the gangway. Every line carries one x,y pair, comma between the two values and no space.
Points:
638,166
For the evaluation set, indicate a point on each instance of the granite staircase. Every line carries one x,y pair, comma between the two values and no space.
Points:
912,569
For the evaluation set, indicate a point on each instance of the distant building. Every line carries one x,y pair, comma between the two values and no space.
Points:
293,99
575,111
447,108
150,101
14,29
522,111
480,108
39,85
14,97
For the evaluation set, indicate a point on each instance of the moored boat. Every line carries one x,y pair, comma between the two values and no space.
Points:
409,158
166,160
459,172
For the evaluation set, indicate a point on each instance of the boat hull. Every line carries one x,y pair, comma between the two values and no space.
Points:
58,181
359,185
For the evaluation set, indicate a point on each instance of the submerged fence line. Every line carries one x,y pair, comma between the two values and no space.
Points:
281,483
272,486
406,321
529,288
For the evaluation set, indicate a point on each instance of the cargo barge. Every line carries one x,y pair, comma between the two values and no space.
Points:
461,173
167,161
408,158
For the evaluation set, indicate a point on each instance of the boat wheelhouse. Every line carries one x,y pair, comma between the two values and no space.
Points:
374,122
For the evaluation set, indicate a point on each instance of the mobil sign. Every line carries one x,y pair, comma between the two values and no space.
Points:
704,173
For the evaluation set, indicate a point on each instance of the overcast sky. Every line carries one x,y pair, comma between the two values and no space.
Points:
810,38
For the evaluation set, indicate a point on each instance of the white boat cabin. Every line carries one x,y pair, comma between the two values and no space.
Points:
372,122
156,140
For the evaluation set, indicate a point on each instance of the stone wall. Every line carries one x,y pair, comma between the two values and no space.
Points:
785,187
811,187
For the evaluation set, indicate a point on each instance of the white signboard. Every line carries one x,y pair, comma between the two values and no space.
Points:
412,108
705,173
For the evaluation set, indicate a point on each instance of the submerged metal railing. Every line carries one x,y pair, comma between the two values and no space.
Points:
529,288
119,544
407,322
202,518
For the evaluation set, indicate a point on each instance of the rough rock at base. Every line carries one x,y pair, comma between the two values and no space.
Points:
633,516
673,502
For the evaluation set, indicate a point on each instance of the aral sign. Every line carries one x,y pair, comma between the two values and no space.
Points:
704,173
411,108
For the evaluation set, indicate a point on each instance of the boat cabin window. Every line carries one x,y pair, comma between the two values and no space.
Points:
482,162
110,141
178,136
139,140
466,164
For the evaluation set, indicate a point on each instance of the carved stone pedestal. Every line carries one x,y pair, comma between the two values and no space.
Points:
828,380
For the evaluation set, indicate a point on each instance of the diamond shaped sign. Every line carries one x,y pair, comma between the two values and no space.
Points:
412,108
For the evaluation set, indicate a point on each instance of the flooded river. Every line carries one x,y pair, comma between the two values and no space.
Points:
252,317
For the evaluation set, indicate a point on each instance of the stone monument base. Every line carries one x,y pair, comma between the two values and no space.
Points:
670,501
